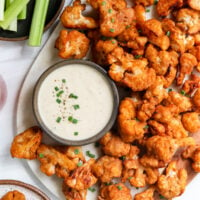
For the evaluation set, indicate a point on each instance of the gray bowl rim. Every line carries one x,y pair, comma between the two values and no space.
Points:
75,142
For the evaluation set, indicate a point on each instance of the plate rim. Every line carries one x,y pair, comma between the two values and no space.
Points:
25,185
45,28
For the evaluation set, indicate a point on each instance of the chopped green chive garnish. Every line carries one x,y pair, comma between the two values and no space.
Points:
128,26
137,119
182,92
76,107
58,101
75,133
73,96
161,197
146,127
92,189
73,120
129,178
97,144
70,118
76,151
64,80
110,11
112,30
169,90
119,187
103,3
56,88
168,33
41,155
138,56
79,164
90,154
139,31
59,93
155,2
122,158
112,20
113,41
58,119
108,183
137,188
147,10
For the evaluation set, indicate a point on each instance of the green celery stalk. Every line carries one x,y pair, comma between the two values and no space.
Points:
22,14
13,24
12,12
38,21
2,5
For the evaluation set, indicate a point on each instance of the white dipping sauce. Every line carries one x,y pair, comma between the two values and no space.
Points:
75,101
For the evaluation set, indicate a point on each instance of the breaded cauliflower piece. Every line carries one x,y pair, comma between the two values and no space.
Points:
144,2
25,144
160,61
194,4
72,17
173,182
191,121
53,161
107,168
196,52
82,177
72,44
188,20
170,76
196,99
130,128
148,194
115,192
164,7
140,14
72,194
113,145
133,73
191,84
193,152
13,195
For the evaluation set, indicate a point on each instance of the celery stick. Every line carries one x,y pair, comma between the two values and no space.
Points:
22,14
38,21
13,25
11,13
2,5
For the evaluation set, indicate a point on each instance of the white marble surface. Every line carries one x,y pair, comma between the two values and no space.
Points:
15,61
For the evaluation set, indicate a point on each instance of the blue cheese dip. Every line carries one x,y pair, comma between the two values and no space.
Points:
75,101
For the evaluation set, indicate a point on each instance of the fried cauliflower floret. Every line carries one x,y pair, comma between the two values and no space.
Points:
140,14
196,99
72,17
173,182
193,152
194,4
160,61
25,144
107,168
13,195
52,161
112,21
72,194
113,145
133,73
170,76
115,192
195,51
191,84
82,177
130,128
148,194
191,121
144,2
101,49
187,64
188,20
164,7
72,44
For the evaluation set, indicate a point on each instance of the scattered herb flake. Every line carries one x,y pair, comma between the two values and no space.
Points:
74,121
168,33
97,144
91,189
64,80
122,158
170,89
56,88
58,120
58,101
129,178
90,154
108,183
70,118
146,127
112,20
137,119
128,26
113,42
155,2
139,31
103,3
137,188
119,187
182,92
147,10
138,56
161,197
73,96
76,107
79,164
41,155
110,11
59,93
112,30
76,133
76,151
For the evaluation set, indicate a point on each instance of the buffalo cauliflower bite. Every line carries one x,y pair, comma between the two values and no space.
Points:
107,168
191,121
194,4
188,20
72,17
53,161
130,128
133,73
196,100
191,84
72,44
113,145
115,192
140,14
25,144
196,52
173,182
72,194
144,2
13,195
82,177
193,152
164,7
148,194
